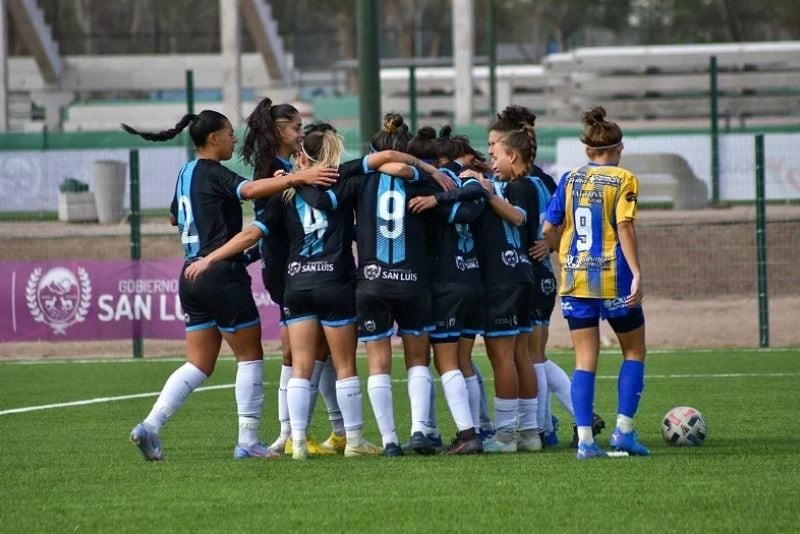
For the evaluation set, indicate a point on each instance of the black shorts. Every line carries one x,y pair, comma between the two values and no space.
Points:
457,311
377,315
543,298
275,284
333,305
221,297
508,309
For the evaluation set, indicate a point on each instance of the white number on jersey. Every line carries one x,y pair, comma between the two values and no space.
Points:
391,208
583,227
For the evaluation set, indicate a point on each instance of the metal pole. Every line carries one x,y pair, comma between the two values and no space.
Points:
369,81
712,68
189,109
412,96
491,53
136,242
761,247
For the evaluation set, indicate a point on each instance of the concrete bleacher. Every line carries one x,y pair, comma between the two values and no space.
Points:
666,177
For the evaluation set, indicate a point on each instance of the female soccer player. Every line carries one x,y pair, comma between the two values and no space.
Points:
600,276
503,236
274,133
206,209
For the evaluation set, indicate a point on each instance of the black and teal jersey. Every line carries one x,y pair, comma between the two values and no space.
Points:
503,247
456,256
207,206
544,195
274,246
546,179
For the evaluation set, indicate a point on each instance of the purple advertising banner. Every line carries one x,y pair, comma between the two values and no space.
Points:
101,300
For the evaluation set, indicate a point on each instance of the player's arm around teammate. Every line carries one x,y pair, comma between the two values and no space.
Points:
601,277
207,208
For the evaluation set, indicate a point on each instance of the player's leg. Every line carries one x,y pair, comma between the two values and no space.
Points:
528,438
535,349
583,319
285,435
630,330
303,336
375,330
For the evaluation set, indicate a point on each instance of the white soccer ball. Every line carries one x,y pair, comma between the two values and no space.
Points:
684,426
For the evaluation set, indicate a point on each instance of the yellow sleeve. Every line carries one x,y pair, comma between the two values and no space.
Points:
628,198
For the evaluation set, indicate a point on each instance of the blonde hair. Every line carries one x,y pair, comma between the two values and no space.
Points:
323,146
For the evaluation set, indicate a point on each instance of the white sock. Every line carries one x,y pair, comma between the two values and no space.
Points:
327,388
283,406
559,384
348,393
585,435
548,414
298,398
505,415
455,391
486,421
543,393
419,393
177,388
379,388
624,423
474,391
528,409
433,423
316,374
249,400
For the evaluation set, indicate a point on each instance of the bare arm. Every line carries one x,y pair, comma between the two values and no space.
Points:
172,220
264,188
401,170
630,248
240,242
552,234
504,209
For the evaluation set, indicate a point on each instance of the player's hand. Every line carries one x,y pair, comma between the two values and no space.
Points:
420,204
483,167
321,176
195,269
635,298
279,173
443,181
487,185
470,173
539,251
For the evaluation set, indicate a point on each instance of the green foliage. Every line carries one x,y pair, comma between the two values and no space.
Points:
71,469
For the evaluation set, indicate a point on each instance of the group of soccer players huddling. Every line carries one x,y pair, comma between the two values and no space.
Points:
449,246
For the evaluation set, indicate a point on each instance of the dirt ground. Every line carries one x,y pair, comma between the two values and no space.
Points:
699,274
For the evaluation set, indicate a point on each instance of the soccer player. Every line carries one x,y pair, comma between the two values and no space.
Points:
503,237
206,209
273,136
600,277
456,291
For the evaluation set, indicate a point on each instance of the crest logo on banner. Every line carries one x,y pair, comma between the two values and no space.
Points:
59,298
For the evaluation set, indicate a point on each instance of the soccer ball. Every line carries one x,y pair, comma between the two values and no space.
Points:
684,426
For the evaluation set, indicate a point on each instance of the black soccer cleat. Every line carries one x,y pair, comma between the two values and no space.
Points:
421,444
598,424
392,450
466,442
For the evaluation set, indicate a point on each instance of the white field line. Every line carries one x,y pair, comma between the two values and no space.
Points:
100,400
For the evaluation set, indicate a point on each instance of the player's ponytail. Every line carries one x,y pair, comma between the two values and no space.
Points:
202,125
598,133
393,136
262,135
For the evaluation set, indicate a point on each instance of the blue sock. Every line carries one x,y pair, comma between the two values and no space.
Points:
630,386
583,397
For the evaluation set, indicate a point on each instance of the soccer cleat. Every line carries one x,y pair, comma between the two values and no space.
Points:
148,442
626,441
494,445
466,442
421,444
259,450
365,448
590,452
436,441
300,450
598,424
529,443
486,433
549,439
392,450
335,443
557,423
314,448
279,445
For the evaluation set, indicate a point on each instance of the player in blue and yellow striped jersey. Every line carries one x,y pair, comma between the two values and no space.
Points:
591,221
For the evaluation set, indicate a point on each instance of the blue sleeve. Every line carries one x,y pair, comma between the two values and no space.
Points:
555,208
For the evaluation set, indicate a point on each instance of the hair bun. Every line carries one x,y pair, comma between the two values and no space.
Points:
518,114
594,116
427,133
445,131
392,122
